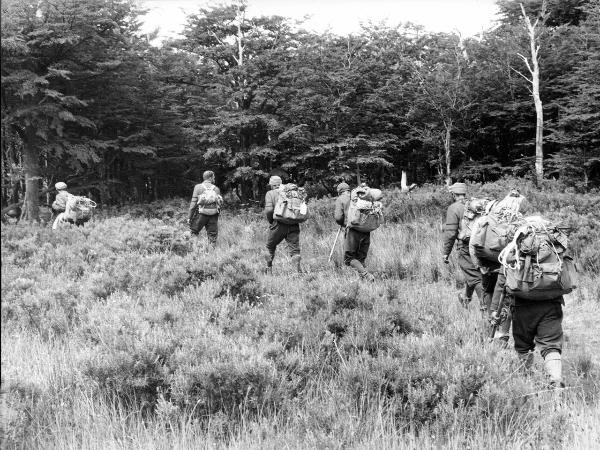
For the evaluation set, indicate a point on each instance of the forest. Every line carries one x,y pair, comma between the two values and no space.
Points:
87,99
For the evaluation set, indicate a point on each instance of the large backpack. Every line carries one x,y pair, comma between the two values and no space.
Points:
474,208
365,212
537,263
497,228
290,207
209,202
79,208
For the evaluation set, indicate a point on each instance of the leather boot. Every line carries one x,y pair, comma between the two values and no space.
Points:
553,365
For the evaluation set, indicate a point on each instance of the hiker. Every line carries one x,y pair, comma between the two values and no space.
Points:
205,208
454,217
535,322
62,196
537,270
356,243
278,230
500,219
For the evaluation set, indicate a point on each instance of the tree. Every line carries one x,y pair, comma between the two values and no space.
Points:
50,50
534,70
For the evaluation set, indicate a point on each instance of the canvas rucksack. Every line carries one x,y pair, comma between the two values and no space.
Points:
474,209
365,212
291,206
497,227
536,263
209,202
79,208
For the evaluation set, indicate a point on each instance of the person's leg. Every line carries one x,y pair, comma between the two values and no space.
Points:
524,325
472,276
274,238
352,251
292,238
488,284
212,229
549,338
198,222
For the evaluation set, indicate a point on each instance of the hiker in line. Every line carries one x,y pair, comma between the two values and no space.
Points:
356,243
205,208
454,216
507,211
59,205
278,231
536,322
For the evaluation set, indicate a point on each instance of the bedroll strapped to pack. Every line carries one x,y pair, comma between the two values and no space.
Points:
536,262
365,212
291,205
209,202
474,209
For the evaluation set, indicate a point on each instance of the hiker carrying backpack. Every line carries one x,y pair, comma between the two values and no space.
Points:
365,212
78,211
359,212
291,206
205,208
537,272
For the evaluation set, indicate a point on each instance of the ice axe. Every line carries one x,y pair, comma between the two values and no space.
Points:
334,242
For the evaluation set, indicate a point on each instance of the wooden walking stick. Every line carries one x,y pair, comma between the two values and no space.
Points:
334,242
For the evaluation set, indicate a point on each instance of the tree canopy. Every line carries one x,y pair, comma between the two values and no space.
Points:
87,99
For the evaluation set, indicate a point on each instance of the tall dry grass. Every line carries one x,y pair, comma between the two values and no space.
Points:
130,333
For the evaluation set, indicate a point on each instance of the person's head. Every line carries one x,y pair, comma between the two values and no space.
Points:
459,191
60,186
342,187
275,181
208,175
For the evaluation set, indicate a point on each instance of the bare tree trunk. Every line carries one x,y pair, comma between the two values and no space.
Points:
534,70
447,142
31,167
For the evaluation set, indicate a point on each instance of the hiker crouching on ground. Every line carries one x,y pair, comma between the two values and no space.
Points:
59,205
205,208
454,217
278,231
356,243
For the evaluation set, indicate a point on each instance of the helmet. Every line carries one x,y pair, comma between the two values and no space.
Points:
60,186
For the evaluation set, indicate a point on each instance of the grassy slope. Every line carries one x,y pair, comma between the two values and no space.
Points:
130,334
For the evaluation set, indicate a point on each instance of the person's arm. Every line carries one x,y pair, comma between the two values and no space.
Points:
269,205
194,202
476,261
453,217
339,211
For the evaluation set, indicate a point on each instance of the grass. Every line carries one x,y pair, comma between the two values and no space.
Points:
130,333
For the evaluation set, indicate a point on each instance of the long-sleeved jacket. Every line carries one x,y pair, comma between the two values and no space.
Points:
475,229
340,213
270,201
451,228
60,202
198,190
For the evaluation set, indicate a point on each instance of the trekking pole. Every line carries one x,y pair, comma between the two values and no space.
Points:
334,242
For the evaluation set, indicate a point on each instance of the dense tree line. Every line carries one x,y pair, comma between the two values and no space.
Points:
87,99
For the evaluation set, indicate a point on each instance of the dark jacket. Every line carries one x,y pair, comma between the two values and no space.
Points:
342,203
198,190
451,228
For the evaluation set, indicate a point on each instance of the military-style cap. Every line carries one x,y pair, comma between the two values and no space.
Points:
275,180
458,188
60,186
